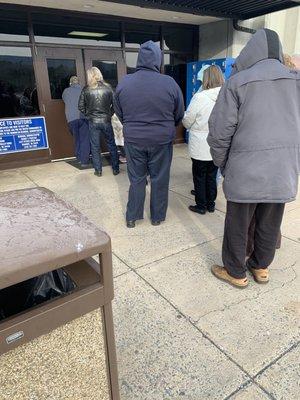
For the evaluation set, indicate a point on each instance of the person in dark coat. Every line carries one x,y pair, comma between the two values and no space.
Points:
150,105
96,104
255,140
78,125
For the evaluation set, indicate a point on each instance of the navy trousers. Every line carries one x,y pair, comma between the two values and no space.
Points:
80,131
155,161
96,131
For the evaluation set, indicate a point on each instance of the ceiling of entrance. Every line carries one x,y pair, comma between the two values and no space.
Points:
123,10
238,9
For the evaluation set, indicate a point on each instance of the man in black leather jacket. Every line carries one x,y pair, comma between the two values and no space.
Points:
96,104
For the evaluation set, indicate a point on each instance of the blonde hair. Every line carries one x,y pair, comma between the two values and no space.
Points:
212,78
94,76
288,61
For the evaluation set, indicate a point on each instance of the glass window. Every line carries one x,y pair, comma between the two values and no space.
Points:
175,66
13,26
131,61
76,30
18,93
60,72
177,59
179,38
109,71
137,34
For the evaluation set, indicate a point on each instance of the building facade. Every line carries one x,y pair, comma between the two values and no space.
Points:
219,39
40,49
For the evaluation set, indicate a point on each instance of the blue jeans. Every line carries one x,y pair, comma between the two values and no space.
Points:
153,160
80,131
97,130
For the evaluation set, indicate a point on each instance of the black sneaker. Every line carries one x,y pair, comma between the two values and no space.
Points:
155,223
130,224
116,171
85,166
198,210
98,173
211,209
193,192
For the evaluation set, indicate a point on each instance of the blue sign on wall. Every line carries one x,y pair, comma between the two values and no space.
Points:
193,68
23,134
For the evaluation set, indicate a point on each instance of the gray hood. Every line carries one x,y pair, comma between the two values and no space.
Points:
254,131
150,57
264,44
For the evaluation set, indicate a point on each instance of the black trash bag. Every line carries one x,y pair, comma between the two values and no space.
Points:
27,294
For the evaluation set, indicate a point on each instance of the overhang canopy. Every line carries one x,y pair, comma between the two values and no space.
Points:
236,9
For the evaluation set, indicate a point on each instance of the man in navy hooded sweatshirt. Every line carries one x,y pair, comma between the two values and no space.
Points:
150,105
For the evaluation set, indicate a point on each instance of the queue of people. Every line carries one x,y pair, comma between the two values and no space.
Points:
247,127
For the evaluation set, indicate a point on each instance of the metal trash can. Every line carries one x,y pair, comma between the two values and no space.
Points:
63,348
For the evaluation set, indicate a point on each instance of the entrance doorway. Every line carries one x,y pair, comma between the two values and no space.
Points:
56,66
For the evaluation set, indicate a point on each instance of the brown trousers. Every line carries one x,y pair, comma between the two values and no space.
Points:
239,216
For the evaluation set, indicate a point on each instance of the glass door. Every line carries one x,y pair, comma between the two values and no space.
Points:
55,67
110,63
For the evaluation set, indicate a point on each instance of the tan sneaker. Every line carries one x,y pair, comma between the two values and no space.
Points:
221,273
260,275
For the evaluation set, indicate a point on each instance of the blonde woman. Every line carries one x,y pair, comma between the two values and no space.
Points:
96,103
196,121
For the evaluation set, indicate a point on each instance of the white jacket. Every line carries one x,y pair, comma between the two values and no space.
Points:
118,130
196,121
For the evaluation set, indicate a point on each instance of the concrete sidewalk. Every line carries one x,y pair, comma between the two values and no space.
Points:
182,334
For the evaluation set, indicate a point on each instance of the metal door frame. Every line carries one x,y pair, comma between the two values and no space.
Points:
83,58
105,55
42,54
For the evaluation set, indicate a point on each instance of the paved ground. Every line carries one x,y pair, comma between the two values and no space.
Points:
181,334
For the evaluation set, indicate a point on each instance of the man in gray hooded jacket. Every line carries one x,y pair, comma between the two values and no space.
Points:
255,140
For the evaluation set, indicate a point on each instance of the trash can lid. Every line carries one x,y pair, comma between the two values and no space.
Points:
39,232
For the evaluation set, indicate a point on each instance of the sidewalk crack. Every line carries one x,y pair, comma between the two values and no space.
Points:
257,296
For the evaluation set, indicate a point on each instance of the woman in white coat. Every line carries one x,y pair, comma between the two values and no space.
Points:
196,121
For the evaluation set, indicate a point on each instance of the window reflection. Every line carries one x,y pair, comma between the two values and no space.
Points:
175,66
18,94
177,59
60,72
109,71
131,61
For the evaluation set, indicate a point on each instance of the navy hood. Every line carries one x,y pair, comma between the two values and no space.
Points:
150,57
